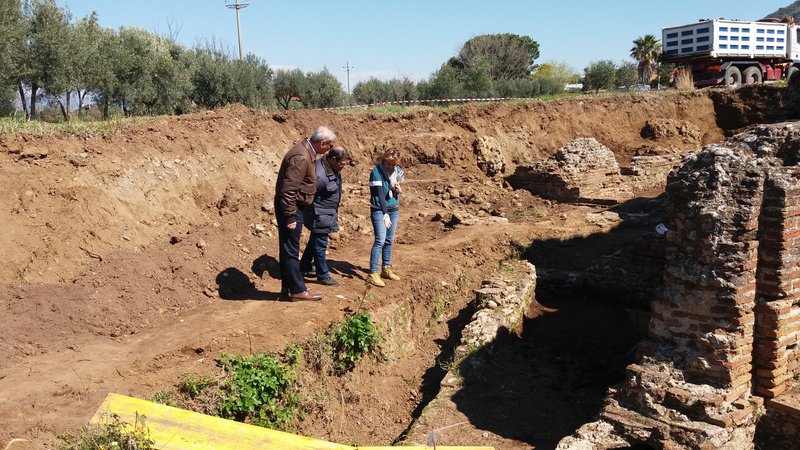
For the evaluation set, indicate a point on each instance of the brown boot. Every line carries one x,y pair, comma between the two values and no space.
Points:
387,272
375,279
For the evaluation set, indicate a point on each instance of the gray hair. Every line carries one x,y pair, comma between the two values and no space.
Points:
322,134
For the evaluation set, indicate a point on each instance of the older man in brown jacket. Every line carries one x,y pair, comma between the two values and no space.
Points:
294,190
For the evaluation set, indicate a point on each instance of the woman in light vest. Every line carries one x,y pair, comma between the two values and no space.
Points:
384,193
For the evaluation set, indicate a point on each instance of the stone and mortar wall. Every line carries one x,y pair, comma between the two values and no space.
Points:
723,336
502,303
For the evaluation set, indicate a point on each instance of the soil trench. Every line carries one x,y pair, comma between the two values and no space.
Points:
139,254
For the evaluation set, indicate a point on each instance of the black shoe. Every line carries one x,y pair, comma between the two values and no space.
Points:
328,281
309,274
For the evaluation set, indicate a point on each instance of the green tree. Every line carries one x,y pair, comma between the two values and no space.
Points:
13,30
445,83
323,90
371,91
599,75
402,89
560,72
507,55
665,72
252,80
477,79
288,85
626,74
646,50
86,62
210,77
102,79
49,49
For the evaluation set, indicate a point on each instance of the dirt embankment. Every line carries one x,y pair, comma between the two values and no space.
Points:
116,245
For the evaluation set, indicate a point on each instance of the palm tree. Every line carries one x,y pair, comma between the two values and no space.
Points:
646,51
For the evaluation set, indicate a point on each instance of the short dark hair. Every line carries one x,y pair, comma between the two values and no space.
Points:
338,153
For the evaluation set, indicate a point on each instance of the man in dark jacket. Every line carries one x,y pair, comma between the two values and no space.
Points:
322,217
294,191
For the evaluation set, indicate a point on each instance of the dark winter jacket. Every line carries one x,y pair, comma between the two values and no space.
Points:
323,215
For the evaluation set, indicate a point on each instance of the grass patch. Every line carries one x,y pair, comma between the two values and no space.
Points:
10,125
194,385
111,434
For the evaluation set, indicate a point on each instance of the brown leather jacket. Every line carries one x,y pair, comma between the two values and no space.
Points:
297,180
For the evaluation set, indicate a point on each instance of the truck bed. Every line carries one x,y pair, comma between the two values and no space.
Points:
725,39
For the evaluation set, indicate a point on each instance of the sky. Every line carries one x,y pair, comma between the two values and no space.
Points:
389,39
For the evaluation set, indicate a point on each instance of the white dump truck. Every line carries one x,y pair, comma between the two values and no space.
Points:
732,52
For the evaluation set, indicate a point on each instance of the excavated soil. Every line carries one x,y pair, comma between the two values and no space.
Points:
136,255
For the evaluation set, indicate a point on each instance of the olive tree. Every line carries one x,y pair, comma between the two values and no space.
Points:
322,90
599,75
288,86
47,60
13,31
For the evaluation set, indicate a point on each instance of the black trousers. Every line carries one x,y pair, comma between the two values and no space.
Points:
289,254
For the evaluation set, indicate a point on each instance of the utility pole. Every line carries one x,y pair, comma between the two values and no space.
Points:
347,67
237,6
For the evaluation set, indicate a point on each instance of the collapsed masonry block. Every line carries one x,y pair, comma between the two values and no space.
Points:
583,170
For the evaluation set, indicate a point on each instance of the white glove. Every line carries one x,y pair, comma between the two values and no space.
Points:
387,221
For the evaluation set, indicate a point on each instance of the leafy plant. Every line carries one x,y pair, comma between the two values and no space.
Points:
194,385
111,434
352,339
258,390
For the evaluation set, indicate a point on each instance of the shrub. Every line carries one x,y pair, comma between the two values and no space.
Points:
351,339
112,433
684,80
258,390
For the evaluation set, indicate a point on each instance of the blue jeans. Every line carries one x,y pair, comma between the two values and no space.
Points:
315,249
382,247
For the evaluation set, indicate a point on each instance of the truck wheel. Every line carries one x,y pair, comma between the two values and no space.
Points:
752,75
733,76
791,76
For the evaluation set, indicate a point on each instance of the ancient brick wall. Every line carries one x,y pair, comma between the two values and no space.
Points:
710,283
776,356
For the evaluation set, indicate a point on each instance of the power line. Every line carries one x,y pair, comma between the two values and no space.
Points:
347,67
237,6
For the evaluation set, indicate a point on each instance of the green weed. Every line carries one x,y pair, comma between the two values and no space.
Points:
194,385
164,398
293,354
111,434
351,339
258,390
